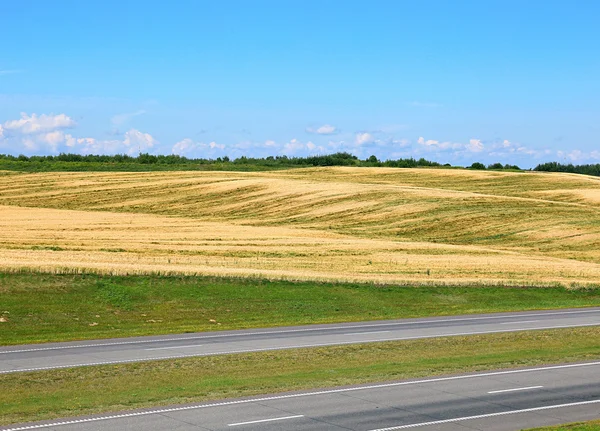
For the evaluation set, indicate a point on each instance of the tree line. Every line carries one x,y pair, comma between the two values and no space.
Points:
149,162
146,161
592,169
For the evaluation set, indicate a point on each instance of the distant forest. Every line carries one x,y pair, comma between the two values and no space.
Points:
573,169
149,162
179,162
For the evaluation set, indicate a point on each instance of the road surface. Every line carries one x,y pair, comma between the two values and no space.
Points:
83,353
493,401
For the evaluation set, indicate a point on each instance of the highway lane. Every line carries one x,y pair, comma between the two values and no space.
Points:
504,400
62,355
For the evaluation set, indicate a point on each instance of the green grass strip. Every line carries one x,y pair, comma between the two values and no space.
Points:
42,307
578,426
85,390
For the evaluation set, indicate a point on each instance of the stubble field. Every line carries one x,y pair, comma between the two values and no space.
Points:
378,225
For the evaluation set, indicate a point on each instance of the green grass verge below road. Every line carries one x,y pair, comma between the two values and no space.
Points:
40,307
579,426
86,390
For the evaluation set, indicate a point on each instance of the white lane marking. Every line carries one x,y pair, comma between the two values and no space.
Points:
299,346
265,420
515,389
175,347
489,415
516,323
286,331
300,395
367,333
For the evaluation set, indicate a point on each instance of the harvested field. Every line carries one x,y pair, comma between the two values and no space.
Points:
337,224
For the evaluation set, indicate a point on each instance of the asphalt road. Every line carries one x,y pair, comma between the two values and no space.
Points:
492,401
62,355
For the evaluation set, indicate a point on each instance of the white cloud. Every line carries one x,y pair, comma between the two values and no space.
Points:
506,149
295,148
70,141
53,138
432,145
364,138
93,146
137,142
475,145
50,140
575,156
326,129
36,134
189,148
54,142
30,145
33,124
133,143
427,143
183,147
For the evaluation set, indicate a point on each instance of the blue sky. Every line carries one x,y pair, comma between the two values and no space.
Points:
452,81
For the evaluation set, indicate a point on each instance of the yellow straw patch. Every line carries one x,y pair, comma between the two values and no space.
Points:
338,224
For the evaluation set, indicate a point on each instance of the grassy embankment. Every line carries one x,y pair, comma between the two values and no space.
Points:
47,307
85,390
578,426
413,226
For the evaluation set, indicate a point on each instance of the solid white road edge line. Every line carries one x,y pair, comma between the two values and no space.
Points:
299,346
286,331
515,389
300,395
489,415
265,420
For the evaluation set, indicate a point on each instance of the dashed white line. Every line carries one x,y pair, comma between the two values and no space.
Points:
298,346
265,420
489,415
299,395
461,319
515,389
175,347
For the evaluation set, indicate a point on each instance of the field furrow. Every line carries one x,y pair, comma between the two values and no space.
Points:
359,224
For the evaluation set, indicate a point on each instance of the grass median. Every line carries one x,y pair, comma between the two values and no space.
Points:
86,390
46,307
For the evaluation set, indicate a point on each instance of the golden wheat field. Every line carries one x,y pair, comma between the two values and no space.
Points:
347,224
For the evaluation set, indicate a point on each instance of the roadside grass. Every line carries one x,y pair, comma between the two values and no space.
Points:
45,307
577,426
87,390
